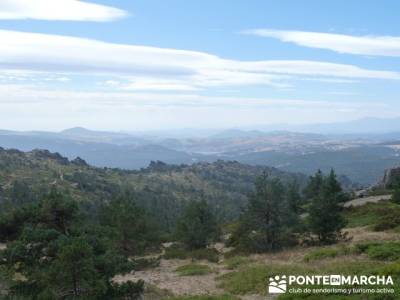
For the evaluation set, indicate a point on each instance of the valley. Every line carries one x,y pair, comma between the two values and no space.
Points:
362,158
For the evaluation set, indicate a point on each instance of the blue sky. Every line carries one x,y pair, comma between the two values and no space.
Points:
137,65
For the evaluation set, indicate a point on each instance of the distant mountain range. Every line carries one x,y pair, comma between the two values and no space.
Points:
360,156
361,126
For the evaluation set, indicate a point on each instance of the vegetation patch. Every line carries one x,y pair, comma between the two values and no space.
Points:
381,251
252,279
381,216
237,261
327,252
193,269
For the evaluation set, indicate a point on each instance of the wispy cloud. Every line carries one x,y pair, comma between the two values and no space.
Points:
133,110
363,45
58,10
154,68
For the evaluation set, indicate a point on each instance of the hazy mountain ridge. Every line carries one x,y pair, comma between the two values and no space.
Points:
362,157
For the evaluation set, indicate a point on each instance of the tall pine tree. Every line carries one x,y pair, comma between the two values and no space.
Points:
269,220
325,219
197,226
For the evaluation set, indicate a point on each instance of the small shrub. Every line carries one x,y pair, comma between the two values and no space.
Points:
128,290
193,269
209,254
176,252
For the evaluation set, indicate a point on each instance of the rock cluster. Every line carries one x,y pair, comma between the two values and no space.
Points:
391,176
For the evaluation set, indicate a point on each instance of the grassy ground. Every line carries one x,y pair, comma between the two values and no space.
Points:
237,261
379,216
373,248
193,269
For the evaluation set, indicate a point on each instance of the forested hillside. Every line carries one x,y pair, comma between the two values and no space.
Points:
161,189
72,231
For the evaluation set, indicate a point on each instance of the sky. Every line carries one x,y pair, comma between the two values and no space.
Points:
155,64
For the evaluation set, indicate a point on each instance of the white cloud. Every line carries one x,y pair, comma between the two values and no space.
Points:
363,45
151,68
58,10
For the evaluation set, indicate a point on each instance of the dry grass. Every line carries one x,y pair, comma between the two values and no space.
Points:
363,234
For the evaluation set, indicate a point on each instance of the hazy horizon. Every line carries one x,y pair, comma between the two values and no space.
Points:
356,126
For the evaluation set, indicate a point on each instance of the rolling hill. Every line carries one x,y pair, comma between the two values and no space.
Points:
160,188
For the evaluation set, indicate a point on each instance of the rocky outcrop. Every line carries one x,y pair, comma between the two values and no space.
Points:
391,177
46,154
79,162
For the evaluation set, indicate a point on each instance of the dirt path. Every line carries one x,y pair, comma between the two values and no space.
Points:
365,200
165,277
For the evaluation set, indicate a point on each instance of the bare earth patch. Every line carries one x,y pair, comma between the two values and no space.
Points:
365,200
361,234
165,277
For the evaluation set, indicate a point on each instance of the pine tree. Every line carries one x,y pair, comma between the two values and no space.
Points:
72,273
314,186
197,226
396,193
132,230
294,198
325,219
59,255
268,221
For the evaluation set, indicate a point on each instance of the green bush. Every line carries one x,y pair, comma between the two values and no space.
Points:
381,251
193,269
209,254
127,290
323,253
176,252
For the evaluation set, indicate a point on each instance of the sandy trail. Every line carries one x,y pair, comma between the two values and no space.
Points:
365,200
165,277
